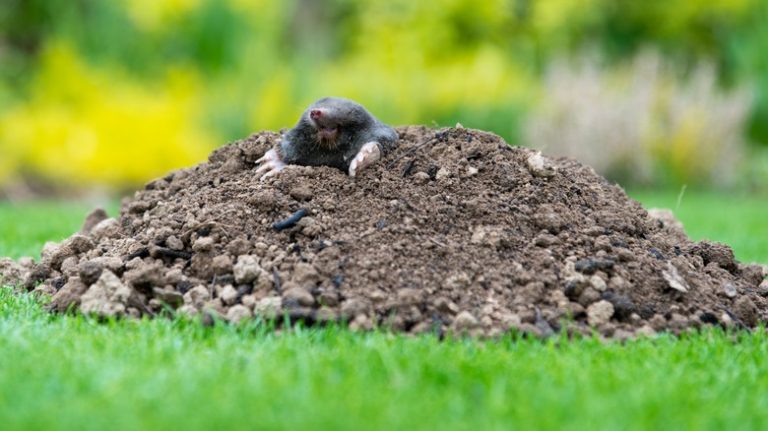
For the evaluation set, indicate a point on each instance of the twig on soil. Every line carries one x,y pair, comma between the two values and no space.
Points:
407,204
431,140
276,280
437,326
138,304
140,253
205,228
167,252
407,169
680,196
739,323
438,243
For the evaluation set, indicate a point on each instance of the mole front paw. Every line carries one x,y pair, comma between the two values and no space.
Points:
368,154
270,163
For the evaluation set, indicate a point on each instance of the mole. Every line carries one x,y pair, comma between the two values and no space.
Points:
332,132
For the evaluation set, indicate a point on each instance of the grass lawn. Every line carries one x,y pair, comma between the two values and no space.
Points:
738,220
72,373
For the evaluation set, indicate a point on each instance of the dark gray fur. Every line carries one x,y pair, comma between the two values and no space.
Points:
355,127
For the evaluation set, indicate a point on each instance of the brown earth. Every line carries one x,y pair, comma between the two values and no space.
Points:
453,232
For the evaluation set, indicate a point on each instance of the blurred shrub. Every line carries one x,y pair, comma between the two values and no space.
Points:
642,123
163,81
747,48
417,63
83,124
190,74
756,171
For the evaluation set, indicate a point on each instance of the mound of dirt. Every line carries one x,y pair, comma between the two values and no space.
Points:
454,231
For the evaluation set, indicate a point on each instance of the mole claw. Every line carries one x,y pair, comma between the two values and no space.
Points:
367,155
268,156
269,174
269,164
263,168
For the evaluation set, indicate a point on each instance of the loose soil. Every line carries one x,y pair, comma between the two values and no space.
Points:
453,232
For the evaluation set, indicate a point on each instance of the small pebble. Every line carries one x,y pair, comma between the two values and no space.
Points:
599,313
539,166
729,290
464,321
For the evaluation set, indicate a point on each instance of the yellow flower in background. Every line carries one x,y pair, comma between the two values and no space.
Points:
274,109
552,16
83,125
152,14
418,61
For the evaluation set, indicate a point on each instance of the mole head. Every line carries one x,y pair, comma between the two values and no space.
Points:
332,116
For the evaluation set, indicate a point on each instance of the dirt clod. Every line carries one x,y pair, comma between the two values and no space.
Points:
246,269
90,271
11,272
599,313
69,296
107,297
464,321
238,313
295,296
93,219
269,307
763,288
539,166
729,290
453,232
746,310
673,278
228,295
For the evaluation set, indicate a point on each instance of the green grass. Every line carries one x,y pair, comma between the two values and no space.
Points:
24,228
71,373
738,220
65,372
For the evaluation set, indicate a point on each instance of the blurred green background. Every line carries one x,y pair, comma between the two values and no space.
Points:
654,92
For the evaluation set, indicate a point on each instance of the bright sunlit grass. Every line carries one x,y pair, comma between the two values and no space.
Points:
73,373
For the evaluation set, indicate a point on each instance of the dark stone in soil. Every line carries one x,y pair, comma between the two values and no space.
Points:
590,266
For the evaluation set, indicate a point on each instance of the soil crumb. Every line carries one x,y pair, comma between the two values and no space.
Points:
453,232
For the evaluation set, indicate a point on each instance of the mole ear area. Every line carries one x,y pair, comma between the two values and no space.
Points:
386,133
385,136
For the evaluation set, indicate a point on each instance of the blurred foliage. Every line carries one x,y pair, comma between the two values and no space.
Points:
85,124
120,91
642,124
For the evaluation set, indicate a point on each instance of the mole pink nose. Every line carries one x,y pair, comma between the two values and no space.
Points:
315,114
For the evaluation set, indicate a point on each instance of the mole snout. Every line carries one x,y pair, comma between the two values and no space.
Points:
315,114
